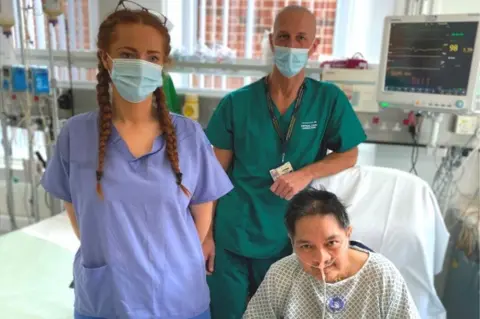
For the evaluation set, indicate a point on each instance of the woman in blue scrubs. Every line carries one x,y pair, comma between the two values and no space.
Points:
138,184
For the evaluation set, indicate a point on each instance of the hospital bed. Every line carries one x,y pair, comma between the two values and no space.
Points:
396,214
36,270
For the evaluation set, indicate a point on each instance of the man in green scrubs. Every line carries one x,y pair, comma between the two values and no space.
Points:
284,119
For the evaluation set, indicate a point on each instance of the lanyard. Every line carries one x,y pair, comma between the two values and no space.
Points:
284,138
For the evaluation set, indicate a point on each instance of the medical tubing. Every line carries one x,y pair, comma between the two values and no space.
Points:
324,293
324,281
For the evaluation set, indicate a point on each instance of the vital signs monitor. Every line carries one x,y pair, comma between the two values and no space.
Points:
431,63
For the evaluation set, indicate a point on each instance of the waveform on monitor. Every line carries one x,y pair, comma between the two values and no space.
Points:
413,49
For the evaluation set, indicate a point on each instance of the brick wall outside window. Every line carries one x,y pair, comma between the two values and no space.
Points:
32,37
265,11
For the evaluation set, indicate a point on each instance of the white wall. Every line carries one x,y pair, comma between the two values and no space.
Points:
457,6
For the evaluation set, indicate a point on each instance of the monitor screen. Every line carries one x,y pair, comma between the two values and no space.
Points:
41,83
431,58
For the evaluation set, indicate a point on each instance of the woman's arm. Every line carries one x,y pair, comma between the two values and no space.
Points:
73,220
203,216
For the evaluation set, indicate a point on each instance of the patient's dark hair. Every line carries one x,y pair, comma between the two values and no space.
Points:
311,202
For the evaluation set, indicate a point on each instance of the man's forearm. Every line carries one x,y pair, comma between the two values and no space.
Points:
332,164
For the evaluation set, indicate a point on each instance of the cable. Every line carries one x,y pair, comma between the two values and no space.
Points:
66,100
414,155
445,183
414,126
41,159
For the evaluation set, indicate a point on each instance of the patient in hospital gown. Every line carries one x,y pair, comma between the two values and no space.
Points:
329,276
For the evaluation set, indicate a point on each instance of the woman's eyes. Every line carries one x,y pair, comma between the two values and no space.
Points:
127,55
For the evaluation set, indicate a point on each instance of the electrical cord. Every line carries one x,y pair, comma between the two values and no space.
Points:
414,127
41,159
414,153
66,100
445,182
44,165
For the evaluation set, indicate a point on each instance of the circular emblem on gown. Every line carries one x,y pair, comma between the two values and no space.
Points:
336,304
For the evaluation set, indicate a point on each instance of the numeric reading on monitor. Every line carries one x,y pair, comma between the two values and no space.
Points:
430,58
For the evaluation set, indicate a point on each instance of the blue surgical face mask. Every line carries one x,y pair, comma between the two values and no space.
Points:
136,79
290,61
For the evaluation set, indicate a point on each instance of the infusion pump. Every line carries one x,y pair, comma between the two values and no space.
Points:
18,79
431,63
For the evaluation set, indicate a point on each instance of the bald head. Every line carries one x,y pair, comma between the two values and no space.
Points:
295,26
296,16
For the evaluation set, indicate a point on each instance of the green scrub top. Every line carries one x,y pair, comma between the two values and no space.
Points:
171,94
249,219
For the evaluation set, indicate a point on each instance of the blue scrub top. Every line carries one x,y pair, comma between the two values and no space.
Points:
140,254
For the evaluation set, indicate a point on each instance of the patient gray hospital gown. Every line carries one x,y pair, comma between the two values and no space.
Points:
377,291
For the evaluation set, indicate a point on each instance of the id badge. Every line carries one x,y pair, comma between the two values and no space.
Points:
281,170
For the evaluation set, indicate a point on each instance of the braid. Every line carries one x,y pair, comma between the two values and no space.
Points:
105,119
169,131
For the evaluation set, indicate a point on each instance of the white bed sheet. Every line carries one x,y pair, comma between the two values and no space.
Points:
36,270
57,230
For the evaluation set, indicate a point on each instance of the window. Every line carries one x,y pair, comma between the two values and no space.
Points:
344,28
240,25
72,26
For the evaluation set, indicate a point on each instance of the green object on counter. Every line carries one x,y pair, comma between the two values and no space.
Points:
171,94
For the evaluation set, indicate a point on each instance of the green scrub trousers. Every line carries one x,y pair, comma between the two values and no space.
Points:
249,229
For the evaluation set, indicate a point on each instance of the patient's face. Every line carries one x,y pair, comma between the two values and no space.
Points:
320,242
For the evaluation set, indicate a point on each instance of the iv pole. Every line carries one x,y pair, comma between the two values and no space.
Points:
55,204
34,204
7,148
